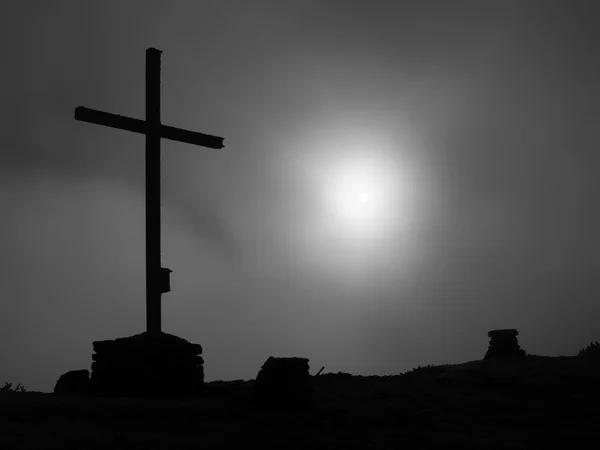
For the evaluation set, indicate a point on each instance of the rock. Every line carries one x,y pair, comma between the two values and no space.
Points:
284,381
503,334
75,382
504,344
144,365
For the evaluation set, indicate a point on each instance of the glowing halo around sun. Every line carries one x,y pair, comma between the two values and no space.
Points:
364,206
359,198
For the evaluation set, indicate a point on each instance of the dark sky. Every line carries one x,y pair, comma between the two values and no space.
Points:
471,127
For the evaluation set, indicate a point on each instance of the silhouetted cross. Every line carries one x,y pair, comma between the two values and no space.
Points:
157,278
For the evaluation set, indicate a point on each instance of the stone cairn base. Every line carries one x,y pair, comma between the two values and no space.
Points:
503,344
146,365
284,381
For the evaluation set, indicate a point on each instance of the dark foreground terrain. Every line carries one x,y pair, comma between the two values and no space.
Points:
534,403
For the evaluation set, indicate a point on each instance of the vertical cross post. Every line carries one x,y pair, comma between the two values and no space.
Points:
153,264
157,278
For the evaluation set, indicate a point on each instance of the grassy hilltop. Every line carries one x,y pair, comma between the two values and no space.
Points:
533,402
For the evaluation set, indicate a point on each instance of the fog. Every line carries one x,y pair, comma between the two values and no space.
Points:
478,119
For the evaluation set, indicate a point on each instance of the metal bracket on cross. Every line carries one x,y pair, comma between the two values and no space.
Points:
164,280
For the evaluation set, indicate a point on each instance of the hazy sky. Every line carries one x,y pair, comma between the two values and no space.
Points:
399,178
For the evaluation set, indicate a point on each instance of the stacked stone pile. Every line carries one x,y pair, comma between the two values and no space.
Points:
146,365
284,381
504,344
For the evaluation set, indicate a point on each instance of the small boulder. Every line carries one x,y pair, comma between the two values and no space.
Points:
284,381
74,382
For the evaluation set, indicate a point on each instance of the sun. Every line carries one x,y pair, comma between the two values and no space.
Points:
362,198
358,196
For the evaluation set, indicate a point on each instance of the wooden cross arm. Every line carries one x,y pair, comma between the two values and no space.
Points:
140,126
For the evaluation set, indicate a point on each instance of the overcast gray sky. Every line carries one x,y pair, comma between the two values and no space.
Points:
399,178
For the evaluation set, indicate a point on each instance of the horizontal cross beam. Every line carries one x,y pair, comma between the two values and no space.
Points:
140,126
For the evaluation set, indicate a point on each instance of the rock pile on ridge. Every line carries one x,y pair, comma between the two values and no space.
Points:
146,365
503,344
